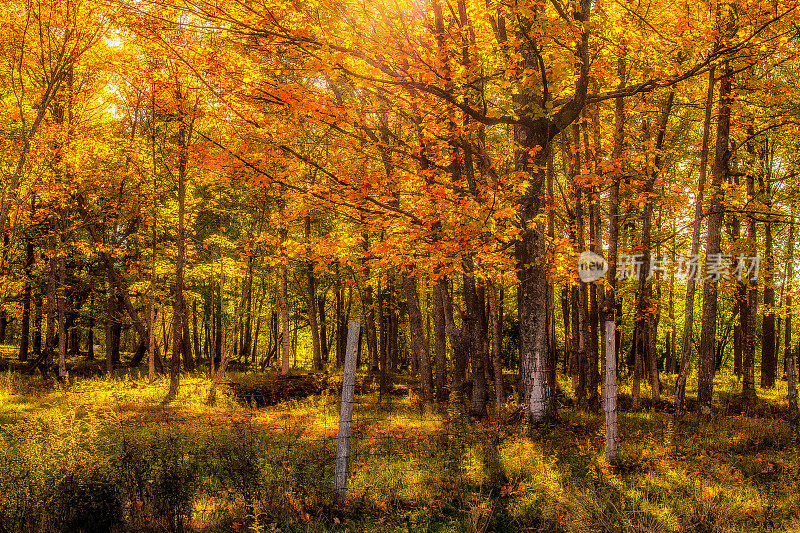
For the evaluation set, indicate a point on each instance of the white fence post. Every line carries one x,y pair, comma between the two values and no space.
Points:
610,402
346,410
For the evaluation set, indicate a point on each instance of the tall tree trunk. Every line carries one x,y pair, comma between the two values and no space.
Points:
418,339
472,326
609,305
744,290
688,318
37,324
340,323
90,333
286,352
530,251
324,345
591,159
646,320
788,352
369,309
198,349
179,321
247,341
457,344
188,359
582,312
496,320
111,309
769,362
26,301
535,141
50,336
705,382
218,320
312,313
440,337
62,330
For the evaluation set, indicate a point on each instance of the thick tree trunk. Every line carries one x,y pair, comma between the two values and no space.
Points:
370,330
418,339
645,318
705,382
531,258
691,282
90,336
788,353
324,345
535,140
24,340
472,332
769,361
286,351
609,305
37,324
111,318
440,336
340,323
748,297
179,319
188,358
496,320
457,345
247,334
582,312
311,306
62,330
198,351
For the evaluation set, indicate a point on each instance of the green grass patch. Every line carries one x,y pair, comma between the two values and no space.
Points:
109,454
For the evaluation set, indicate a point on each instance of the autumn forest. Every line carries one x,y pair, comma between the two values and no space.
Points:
566,229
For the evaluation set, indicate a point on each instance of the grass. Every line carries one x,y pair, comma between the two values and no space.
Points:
111,456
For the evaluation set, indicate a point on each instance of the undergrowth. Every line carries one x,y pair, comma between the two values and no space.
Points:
110,455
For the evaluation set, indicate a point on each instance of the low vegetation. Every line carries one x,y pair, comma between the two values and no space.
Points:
106,454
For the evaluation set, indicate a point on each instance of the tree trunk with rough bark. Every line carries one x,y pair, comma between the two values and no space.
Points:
609,305
179,321
440,341
788,352
418,340
496,320
691,282
705,382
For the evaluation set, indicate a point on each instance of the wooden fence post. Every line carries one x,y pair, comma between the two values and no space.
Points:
610,401
346,410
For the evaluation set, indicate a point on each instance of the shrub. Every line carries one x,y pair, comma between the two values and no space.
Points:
160,480
87,501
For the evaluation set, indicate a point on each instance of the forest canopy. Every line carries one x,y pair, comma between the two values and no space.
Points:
232,180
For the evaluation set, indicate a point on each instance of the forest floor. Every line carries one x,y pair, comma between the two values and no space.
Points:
107,454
